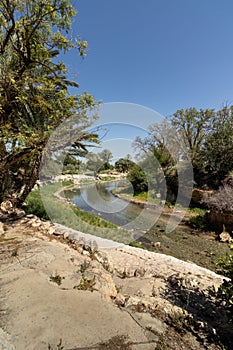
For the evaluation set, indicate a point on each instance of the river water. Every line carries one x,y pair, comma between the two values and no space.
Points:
98,200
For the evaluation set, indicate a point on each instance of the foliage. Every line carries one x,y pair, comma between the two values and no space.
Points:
86,284
34,205
199,222
225,291
193,126
217,152
136,244
98,162
123,165
202,136
196,210
105,155
56,279
71,165
105,166
138,179
34,95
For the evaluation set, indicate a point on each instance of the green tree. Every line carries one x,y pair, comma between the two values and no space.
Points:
98,162
160,151
93,162
71,165
194,127
105,155
123,165
138,179
217,150
34,95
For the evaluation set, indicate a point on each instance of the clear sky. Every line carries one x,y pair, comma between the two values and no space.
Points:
163,54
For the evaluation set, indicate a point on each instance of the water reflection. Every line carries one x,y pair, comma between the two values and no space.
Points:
98,199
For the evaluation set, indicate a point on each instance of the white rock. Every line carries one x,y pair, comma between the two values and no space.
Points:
225,237
85,252
157,244
6,206
66,235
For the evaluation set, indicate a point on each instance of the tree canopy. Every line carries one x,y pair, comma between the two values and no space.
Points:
203,137
34,89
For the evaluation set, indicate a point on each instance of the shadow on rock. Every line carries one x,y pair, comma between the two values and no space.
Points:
202,314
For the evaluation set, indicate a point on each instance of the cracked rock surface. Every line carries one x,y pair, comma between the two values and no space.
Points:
121,297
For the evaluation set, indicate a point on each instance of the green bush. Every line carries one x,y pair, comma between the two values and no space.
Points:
225,291
34,205
199,222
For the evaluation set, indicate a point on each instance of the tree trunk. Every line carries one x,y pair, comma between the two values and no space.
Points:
35,169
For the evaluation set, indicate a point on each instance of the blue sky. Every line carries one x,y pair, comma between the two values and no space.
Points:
163,54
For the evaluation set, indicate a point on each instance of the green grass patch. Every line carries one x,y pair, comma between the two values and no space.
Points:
141,196
45,204
198,211
199,221
136,244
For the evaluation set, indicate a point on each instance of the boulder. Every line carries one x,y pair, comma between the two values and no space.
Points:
225,237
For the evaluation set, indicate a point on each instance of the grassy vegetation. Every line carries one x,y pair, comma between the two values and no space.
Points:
184,243
141,196
198,219
136,244
199,211
45,204
56,279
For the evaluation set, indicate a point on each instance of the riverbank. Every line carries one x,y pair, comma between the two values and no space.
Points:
185,242
59,287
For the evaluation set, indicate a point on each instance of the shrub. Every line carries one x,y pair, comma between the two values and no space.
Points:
199,222
222,200
34,205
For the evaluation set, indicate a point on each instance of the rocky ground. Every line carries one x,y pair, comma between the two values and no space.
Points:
60,289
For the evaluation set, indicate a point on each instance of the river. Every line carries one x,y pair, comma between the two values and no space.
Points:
148,225
98,200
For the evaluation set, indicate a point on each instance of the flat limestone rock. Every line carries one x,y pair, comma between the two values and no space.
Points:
4,341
